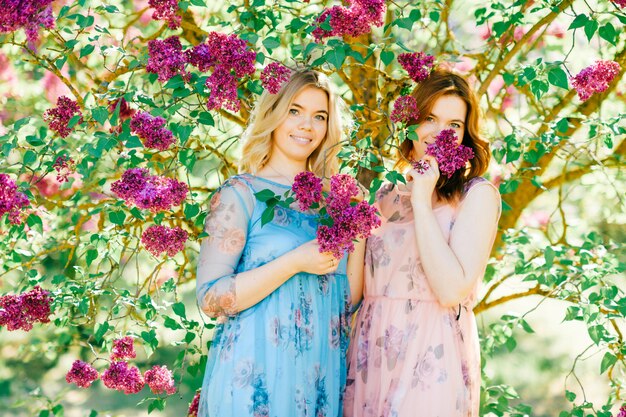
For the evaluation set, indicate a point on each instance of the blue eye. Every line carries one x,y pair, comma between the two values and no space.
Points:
320,117
455,125
429,119
293,111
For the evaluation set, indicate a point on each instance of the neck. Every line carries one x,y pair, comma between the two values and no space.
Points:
285,168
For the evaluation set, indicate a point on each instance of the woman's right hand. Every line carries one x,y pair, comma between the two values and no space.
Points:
309,259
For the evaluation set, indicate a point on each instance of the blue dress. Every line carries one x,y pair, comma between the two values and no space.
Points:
286,355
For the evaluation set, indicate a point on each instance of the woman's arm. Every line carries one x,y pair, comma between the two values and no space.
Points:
355,268
453,269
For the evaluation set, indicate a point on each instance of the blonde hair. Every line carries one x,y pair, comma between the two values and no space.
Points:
272,109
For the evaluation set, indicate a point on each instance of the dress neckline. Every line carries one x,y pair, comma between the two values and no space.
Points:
269,181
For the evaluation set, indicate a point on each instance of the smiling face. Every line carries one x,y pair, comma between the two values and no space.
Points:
448,112
304,129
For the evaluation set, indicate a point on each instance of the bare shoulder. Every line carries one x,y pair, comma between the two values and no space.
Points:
481,197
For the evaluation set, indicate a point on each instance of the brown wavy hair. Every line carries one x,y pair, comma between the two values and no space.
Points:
443,83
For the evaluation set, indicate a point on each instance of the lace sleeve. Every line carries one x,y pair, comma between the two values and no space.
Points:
220,252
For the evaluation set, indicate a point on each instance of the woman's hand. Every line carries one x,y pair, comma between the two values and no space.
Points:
309,259
422,185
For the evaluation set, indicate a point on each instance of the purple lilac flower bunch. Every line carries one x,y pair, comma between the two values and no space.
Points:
622,4
274,76
151,131
353,21
27,14
123,348
160,380
230,60
119,376
622,411
159,239
59,117
307,188
166,58
595,78
11,200
193,406
417,64
64,166
21,311
404,110
449,155
166,10
81,374
341,220
147,191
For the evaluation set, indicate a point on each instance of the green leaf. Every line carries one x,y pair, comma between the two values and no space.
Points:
199,3
578,22
265,195
558,77
179,309
20,123
91,255
271,43
102,329
170,323
590,29
607,361
267,216
336,56
34,140
29,157
117,217
570,396
100,114
549,255
86,50
539,88
191,211
387,57
608,33
205,118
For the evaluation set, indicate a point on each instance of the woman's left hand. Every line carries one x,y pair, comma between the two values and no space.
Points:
423,184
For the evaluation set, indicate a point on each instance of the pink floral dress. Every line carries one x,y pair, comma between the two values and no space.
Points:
410,356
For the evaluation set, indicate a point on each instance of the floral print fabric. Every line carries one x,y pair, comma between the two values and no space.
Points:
409,355
286,355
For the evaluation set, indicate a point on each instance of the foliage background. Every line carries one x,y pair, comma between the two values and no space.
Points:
552,312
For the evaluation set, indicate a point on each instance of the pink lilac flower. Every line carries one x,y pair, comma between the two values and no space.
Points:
622,410
353,21
160,380
342,188
159,239
307,188
230,60
595,78
417,64
122,378
81,374
193,406
123,348
404,110
420,166
622,4
125,111
21,311
147,191
166,58
27,14
11,200
59,117
166,10
450,156
64,166
274,76
151,131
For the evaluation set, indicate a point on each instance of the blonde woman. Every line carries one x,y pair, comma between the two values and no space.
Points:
283,306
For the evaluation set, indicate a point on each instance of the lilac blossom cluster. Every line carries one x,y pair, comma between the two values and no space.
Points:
449,155
274,76
27,14
119,376
595,78
59,117
21,311
160,380
81,374
420,166
159,239
193,406
622,410
166,58
404,110
123,348
147,191
353,21
230,60
622,4
151,131
417,64
307,188
347,221
166,10
64,166
11,200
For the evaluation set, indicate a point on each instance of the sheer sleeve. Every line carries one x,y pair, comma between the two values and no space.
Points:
220,252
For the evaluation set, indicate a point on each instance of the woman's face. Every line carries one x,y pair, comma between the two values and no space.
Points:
304,129
448,112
